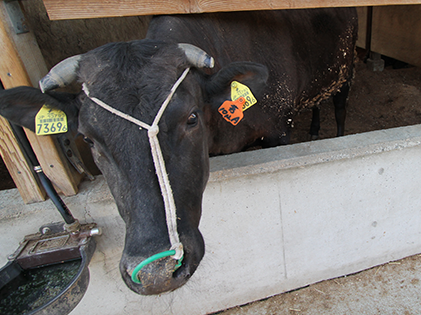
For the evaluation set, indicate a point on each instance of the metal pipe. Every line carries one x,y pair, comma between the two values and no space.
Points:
53,195
46,183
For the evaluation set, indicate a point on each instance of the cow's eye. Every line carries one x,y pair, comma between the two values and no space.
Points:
192,120
88,141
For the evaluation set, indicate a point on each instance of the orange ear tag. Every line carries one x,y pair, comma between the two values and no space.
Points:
232,111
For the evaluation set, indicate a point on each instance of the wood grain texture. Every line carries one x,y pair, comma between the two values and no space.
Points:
25,179
10,74
21,63
396,33
83,9
362,26
54,163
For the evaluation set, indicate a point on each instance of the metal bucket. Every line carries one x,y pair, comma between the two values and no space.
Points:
54,254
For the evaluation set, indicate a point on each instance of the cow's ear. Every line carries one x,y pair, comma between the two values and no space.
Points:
20,105
253,75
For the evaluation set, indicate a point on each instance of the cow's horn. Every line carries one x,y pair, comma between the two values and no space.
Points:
61,74
196,56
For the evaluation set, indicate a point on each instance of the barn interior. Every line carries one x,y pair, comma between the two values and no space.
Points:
386,94
379,100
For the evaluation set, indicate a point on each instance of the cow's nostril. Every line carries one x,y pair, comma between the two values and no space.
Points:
183,272
129,272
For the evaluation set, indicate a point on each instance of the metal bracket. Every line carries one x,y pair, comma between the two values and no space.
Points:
53,244
72,153
16,16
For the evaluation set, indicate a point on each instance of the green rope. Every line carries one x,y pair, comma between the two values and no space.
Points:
151,259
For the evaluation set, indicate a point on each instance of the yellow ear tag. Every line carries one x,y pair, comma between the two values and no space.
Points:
50,121
240,90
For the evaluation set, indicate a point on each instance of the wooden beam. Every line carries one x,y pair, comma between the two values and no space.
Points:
396,33
54,164
83,9
25,179
13,157
21,63
362,27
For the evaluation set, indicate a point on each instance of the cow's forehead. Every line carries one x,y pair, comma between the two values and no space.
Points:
141,103
126,70
136,58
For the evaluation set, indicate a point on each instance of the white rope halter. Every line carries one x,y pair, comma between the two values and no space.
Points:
164,183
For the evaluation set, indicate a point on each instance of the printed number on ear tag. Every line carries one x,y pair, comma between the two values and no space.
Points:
232,111
240,90
49,121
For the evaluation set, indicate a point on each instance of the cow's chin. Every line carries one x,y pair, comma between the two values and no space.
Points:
159,276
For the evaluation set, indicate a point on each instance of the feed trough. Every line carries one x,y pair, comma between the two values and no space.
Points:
48,273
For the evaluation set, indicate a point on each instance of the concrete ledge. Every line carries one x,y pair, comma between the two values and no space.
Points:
273,220
314,152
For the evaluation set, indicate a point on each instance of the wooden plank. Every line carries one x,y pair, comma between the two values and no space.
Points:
25,179
46,148
10,74
54,164
396,33
83,9
22,64
362,26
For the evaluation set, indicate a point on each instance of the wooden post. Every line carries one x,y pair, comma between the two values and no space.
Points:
21,63
23,176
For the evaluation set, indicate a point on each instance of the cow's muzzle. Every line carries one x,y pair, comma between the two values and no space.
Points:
159,276
177,254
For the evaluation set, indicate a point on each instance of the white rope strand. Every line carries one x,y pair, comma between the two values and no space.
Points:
169,97
141,124
164,183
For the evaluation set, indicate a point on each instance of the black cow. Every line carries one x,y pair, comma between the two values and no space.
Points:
290,60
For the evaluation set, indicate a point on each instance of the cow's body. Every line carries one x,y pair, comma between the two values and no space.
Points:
309,54
289,59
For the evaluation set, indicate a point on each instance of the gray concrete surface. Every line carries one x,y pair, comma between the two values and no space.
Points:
393,288
273,220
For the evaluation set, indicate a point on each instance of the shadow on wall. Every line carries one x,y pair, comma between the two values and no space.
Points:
6,181
61,39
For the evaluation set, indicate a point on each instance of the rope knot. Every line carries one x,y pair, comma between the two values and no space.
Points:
179,252
85,89
153,131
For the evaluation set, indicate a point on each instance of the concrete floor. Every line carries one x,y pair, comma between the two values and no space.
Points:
393,288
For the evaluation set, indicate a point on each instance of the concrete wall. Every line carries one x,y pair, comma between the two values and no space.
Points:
273,220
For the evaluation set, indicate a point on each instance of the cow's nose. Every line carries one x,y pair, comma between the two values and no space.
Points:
158,271
157,277
175,255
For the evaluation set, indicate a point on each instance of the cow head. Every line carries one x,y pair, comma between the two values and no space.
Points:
135,78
